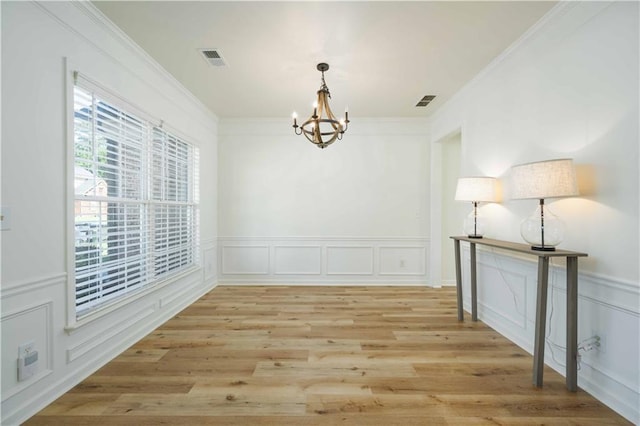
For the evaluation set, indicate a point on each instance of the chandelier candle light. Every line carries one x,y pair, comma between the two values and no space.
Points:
540,180
322,128
476,189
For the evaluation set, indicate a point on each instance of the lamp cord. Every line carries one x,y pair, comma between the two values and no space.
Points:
552,345
513,293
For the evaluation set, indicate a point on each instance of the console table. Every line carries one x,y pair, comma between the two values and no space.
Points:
541,300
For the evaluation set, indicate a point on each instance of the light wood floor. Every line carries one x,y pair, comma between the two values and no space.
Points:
323,355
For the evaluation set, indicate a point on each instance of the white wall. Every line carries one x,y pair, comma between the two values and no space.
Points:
362,202
569,88
36,39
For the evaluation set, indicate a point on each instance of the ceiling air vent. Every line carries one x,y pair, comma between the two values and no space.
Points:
213,57
425,100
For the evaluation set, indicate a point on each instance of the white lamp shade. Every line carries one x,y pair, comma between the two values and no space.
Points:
480,188
544,179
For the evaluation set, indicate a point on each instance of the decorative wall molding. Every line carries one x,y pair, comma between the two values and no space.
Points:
209,263
297,260
181,293
115,329
245,259
32,285
621,295
403,260
511,278
207,243
323,260
607,307
349,260
46,308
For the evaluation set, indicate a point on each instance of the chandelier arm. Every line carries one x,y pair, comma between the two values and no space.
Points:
337,125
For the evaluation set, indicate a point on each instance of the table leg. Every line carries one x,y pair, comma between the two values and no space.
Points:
541,319
474,286
572,324
456,245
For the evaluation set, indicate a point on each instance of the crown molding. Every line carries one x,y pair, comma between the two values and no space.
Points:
90,11
535,31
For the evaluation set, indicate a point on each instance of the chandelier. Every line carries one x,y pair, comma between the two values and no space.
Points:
322,128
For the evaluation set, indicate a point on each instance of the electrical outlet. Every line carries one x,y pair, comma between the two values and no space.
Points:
402,263
593,343
27,361
601,346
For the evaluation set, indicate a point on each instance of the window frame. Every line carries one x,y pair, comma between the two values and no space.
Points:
76,318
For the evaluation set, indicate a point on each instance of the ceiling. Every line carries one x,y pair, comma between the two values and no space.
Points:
383,56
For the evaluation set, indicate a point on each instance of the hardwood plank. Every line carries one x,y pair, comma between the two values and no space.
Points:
141,355
296,343
251,386
326,369
401,405
232,404
96,384
81,404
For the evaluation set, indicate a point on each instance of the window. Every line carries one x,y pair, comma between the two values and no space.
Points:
136,201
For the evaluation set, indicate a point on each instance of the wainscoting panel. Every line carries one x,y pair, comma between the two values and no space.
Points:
323,260
209,261
403,261
245,260
504,292
349,260
607,308
298,260
35,323
99,340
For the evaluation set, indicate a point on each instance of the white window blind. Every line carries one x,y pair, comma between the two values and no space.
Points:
173,202
136,201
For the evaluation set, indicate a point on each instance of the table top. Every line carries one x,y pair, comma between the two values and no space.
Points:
520,248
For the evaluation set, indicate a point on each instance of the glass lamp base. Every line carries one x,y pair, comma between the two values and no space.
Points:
543,230
475,225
